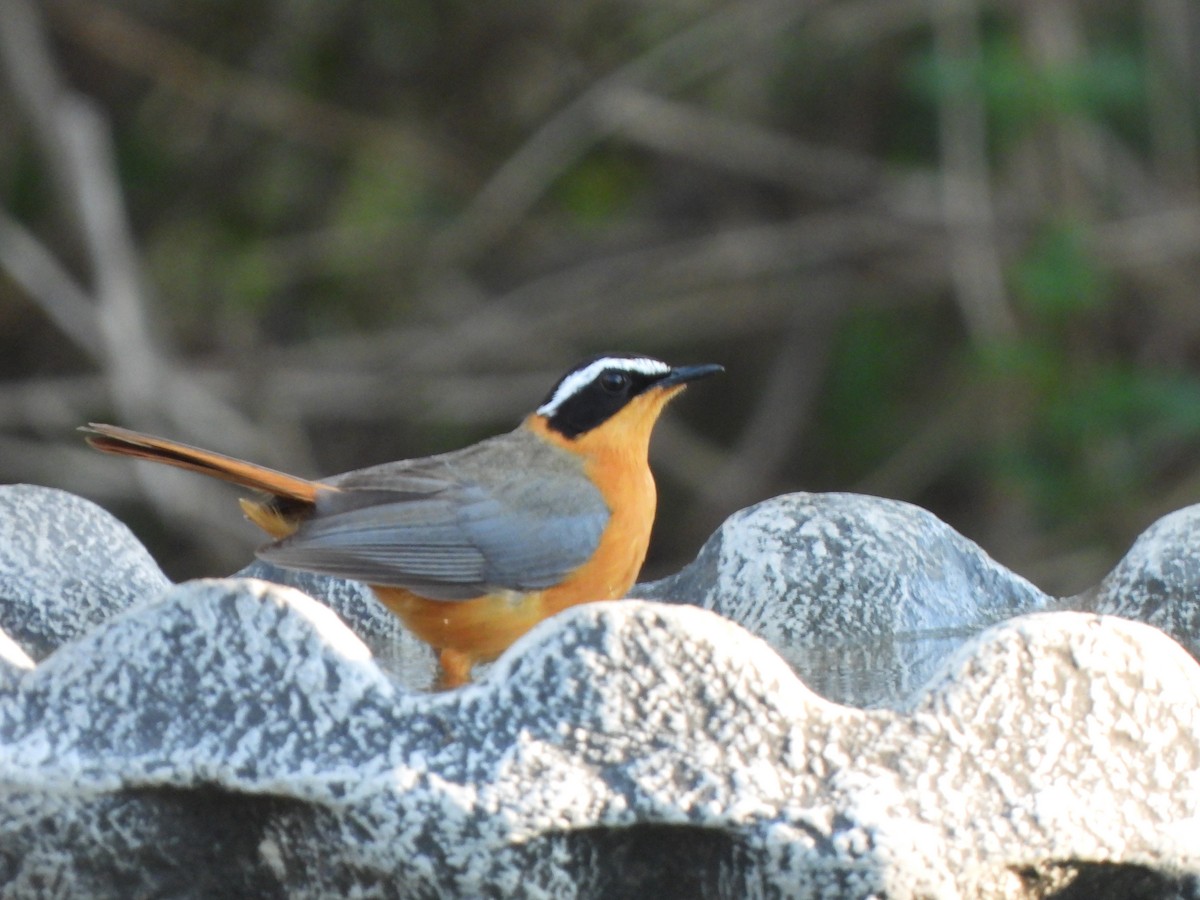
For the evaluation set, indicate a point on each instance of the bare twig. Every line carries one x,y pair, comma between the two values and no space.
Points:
1054,40
73,137
772,432
1159,238
1170,31
742,147
952,432
50,286
966,195
205,82
74,140
705,47
131,358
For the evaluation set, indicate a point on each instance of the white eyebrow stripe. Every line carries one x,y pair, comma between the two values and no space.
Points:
577,381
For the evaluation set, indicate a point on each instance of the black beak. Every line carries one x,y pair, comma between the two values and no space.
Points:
685,374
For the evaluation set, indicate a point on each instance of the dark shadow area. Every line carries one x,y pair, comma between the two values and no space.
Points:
665,862
1108,881
161,842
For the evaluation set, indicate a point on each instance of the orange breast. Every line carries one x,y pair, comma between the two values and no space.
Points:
484,627
628,490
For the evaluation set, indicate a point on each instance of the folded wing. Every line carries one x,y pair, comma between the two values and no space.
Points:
453,529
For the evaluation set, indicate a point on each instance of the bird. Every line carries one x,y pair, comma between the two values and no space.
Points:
473,547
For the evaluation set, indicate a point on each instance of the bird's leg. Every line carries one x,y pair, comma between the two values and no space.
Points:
455,670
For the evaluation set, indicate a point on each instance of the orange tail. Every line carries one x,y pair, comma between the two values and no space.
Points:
292,496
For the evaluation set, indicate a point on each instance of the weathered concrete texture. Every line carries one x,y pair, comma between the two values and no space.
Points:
14,661
395,649
864,596
1158,580
65,566
234,737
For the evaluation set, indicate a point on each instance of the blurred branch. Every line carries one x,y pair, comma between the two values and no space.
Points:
132,361
81,470
711,44
48,285
1170,31
72,137
954,430
772,432
851,24
742,147
676,291
966,194
203,81
727,255
1055,42
1162,237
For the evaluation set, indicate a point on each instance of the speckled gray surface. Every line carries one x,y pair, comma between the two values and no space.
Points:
65,566
1158,580
235,738
395,649
14,661
865,597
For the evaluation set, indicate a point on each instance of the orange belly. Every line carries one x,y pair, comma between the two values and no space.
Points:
476,630
466,632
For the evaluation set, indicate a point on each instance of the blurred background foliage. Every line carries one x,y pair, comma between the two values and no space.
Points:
946,249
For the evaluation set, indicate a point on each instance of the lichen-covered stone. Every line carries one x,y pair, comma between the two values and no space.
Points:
240,728
14,661
394,647
65,566
864,596
1158,580
236,738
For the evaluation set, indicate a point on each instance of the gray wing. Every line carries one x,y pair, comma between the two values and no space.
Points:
456,526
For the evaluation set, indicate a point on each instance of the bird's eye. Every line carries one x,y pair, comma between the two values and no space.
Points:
614,382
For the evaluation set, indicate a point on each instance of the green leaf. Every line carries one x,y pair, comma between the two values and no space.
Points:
600,187
1058,276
